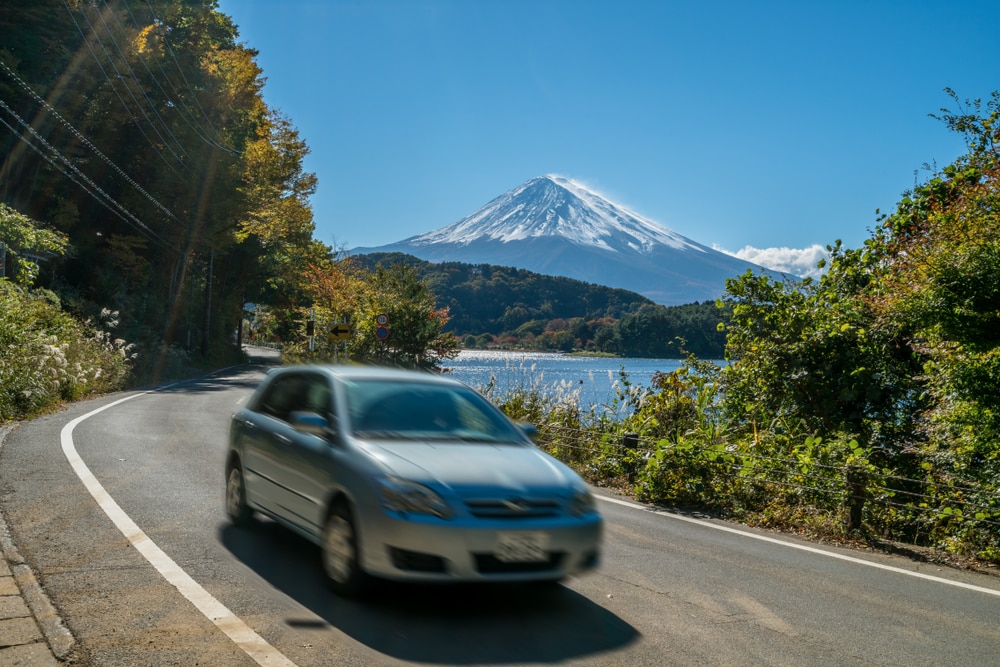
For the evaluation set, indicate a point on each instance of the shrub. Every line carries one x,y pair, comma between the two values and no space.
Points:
46,356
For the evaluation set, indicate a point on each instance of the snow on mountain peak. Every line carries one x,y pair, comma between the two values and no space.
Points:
555,206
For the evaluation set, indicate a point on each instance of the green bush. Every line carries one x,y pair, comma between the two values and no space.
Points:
46,356
670,445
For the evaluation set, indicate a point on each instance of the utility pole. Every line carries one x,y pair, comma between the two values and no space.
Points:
311,329
239,325
208,304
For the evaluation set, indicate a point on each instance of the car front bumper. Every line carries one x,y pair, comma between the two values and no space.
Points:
425,548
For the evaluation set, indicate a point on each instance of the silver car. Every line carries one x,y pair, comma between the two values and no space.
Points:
406,476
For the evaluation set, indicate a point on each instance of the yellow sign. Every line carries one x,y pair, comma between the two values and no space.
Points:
339,331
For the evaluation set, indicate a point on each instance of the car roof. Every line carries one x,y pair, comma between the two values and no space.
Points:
350,372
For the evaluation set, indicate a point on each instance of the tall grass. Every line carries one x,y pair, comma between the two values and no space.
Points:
48,357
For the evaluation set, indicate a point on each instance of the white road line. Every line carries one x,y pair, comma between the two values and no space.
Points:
800,547
234,628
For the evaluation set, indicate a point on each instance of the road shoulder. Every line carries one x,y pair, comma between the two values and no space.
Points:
31,629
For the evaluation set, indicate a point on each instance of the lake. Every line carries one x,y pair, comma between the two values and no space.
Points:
589,381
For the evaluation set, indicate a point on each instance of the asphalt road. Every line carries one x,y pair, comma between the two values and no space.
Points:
177,585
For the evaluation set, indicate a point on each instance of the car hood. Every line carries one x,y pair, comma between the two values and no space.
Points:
475,467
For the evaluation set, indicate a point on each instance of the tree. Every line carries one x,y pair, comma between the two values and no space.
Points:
898,344
23,242
278,261
940,258
334,290
415,326
607,339
811,356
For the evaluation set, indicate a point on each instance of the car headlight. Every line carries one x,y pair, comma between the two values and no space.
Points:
582,503
401,495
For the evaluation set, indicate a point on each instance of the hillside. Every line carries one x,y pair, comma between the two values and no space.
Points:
500,305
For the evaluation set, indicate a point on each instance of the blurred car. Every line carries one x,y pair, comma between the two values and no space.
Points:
405,475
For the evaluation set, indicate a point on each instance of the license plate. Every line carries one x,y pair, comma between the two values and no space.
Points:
522,547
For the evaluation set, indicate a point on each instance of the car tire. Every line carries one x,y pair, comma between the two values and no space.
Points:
236,498
341,555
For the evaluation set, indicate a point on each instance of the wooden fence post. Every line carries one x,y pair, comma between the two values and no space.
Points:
857,495
630,441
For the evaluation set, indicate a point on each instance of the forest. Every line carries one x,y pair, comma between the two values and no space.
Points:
154,206
502,307
138,132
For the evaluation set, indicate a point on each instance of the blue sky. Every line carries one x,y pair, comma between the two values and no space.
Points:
741,125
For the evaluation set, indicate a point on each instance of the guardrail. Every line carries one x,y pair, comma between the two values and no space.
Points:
259,343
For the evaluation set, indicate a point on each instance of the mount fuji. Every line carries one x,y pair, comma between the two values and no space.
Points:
556,226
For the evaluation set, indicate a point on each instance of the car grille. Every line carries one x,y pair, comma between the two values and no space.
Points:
490,564
512,508
414,561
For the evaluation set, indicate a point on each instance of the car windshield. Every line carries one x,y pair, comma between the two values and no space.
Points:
380,409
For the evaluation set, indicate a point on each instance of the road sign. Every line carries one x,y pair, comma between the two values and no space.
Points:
382,320
339,331
381,333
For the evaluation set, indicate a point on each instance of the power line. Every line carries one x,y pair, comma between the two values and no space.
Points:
104,198
180,70
186,115
114,89
123,73
131,76
87,142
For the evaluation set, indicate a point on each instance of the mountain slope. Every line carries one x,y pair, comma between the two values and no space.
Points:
555,226
484,298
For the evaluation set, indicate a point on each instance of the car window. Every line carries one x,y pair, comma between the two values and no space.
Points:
317,396
379,409
297,391
279,396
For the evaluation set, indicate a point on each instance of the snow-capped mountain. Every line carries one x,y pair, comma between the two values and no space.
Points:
554,225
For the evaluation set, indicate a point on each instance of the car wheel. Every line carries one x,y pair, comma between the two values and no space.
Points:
340,552
236,498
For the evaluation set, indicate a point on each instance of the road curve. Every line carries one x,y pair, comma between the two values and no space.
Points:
673,589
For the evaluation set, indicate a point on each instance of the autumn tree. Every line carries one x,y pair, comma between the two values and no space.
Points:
334,288
940,254
415,326
140,131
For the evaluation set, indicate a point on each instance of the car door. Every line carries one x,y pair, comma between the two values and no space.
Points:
308,460
268,441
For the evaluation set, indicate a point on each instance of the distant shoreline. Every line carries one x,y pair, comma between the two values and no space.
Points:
578,353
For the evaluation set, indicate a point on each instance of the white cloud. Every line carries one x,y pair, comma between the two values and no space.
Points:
796,261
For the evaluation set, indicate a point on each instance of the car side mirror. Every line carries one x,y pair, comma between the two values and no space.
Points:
312,423
530,430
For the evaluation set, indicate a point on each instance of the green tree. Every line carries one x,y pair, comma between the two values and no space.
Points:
897,345
940,256
811,356
607,339
23,241
416,336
